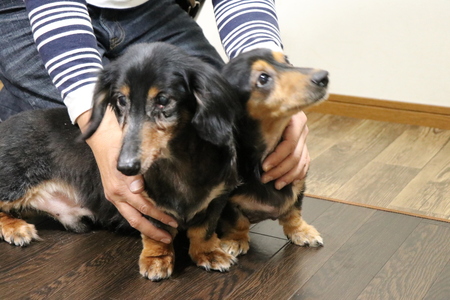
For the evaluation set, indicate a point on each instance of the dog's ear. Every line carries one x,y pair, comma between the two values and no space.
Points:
103,95
216,105
238,73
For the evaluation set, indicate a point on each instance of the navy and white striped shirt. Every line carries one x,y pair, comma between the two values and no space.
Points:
247,24
65,40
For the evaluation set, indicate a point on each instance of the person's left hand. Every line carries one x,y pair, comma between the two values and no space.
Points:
290,159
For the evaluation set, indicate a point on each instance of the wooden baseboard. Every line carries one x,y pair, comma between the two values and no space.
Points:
389,111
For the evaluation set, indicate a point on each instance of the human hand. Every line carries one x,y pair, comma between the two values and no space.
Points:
125,192
290,159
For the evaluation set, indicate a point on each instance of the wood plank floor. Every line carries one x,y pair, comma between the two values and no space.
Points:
368,254
388,165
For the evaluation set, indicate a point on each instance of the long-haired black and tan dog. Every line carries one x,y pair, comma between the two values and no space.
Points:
271,91
177,117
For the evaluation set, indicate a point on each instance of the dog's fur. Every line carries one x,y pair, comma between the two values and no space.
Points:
177,115
271,91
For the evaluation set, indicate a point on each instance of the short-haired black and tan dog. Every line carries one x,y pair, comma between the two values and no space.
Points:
271,91
177,114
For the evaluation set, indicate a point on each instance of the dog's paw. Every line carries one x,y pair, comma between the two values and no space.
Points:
156,268
235,247
305,236
217,260
18,232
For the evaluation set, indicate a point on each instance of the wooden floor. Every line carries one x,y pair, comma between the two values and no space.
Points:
387,165
368,254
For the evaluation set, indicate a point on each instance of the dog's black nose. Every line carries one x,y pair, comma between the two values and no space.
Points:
320,78
129,167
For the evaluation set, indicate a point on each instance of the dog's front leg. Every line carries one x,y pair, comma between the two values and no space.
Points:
16,231
298,231
157,259
206,252
235,228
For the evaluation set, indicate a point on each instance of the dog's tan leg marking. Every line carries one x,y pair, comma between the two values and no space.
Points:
207,253
298,231
235,240
157,259
16,231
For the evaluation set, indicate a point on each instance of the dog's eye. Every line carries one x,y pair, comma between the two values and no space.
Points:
121,100
162,100
263,79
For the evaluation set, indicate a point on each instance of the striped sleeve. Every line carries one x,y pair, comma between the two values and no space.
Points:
247,24
65,40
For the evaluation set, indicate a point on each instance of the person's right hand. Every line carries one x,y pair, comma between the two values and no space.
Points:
125,192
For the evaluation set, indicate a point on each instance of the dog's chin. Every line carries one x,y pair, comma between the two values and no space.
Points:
315,99
320,98
311,101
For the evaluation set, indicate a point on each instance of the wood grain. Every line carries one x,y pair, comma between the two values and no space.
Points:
68,250
392,166
300,264
109,264
317,145
376,184
440,290
350,153
414,267
415,147
342,276
429,191
331,126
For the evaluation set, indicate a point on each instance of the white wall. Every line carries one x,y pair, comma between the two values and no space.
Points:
396,50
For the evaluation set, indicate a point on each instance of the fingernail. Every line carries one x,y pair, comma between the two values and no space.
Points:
165,241
136,185
280,185
267,167
173,224
266,179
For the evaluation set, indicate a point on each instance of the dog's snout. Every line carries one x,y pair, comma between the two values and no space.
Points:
320,78
129,167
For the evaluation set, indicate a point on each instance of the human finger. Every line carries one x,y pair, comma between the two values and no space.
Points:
140,223
297,173
293,136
